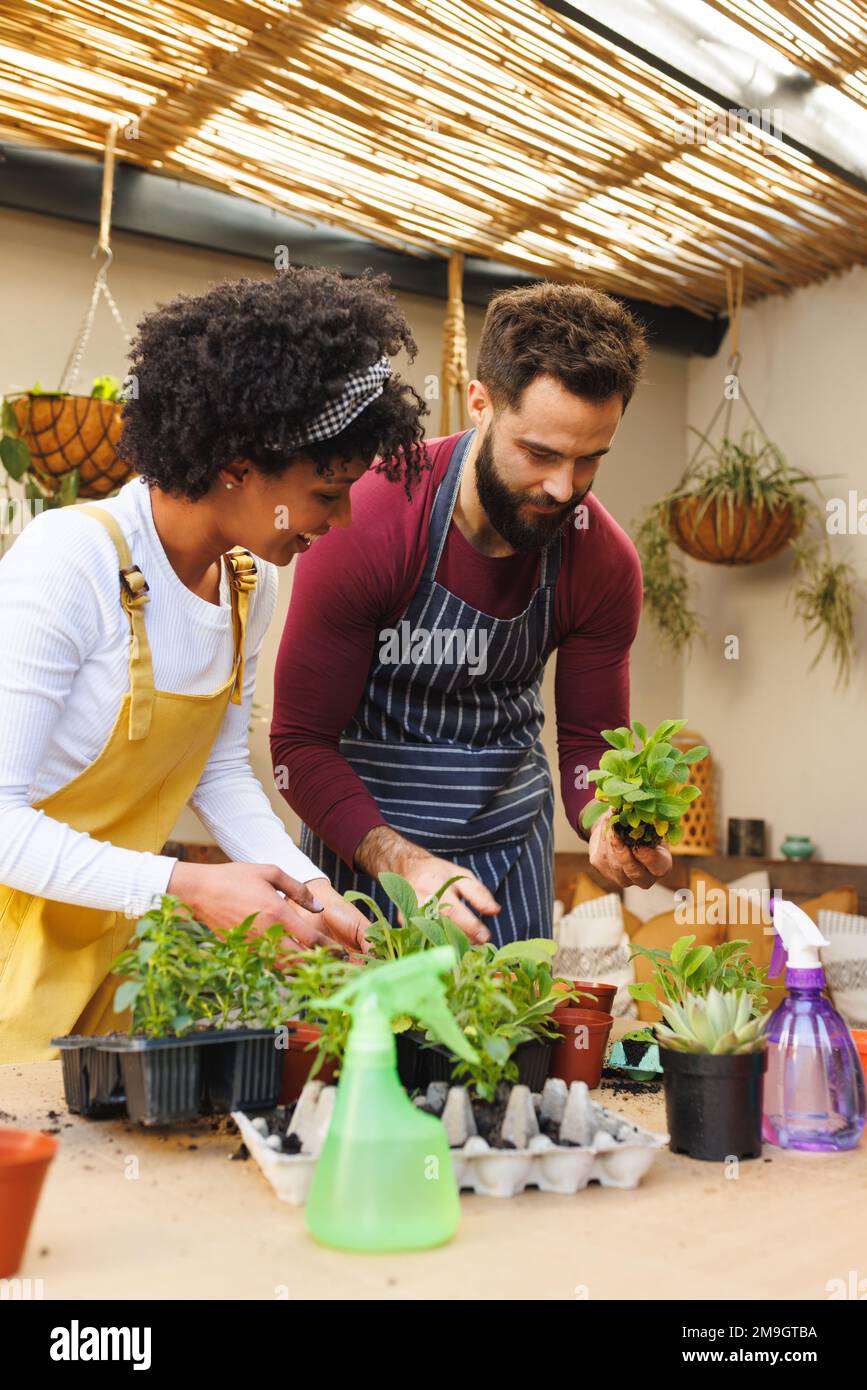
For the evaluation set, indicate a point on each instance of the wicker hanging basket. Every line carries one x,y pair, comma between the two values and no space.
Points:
65,432
742,536
699,820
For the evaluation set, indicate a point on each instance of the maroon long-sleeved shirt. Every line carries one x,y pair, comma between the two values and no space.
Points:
355,582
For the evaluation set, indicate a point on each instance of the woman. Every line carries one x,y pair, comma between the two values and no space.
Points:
130,631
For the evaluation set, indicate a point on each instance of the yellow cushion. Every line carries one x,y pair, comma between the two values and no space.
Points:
660,934
761,943
584,890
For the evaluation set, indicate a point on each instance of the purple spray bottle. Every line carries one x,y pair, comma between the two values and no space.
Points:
814,1086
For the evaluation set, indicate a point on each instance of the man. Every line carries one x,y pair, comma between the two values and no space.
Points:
407,711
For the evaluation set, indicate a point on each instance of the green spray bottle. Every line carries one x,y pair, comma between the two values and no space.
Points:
384,1178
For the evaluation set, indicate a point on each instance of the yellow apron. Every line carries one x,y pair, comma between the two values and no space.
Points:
55,957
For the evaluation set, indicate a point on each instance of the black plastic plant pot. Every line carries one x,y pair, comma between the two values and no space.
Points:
244,1074
163,1084
713,1104
92,1082
419,1063
162,1081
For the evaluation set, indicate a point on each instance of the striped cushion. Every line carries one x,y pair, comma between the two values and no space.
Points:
845,962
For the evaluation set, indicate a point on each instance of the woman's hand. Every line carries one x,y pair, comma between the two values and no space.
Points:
622,865
222,895
343,922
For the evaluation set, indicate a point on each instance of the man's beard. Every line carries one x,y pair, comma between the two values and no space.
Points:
503,507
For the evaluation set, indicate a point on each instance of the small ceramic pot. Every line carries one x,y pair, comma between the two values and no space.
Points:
299,1059
797,847
595,997
24,1160
581,1051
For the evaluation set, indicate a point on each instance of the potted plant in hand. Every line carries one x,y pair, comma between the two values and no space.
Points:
647,789
713,1053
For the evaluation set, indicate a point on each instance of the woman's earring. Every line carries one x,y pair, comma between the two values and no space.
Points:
229,486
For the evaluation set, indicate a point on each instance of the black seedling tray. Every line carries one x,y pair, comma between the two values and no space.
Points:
91,1079
419,1062
162,1081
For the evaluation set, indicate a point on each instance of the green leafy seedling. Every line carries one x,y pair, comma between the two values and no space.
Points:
647,787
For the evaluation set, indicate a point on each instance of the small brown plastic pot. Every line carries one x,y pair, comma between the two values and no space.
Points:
299,1060
580,1053
601,996
24,1160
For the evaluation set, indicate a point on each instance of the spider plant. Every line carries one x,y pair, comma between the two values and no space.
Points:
825,601
750,473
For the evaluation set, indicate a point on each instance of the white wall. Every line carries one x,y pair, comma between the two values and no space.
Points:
45,280
789,746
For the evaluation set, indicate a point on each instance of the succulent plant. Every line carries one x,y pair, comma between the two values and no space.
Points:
718,1023
647,788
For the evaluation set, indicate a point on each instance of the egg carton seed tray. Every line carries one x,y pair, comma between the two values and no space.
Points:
595,1144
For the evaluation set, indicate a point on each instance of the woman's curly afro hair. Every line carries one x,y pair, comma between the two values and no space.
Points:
220,375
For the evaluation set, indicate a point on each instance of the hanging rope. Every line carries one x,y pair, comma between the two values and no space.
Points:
454,373
734,298
100,284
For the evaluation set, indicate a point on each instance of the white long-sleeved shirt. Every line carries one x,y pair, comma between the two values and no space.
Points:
64,649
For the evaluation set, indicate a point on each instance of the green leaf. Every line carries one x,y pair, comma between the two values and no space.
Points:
68,490
456,938
640,730
694,959
539,949
15,456
592,813
646,991
9,420
126,994
615,786
618,738
401,893
432,931
695,755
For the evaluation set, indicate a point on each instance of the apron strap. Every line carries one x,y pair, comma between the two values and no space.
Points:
133,597
242,578
444,505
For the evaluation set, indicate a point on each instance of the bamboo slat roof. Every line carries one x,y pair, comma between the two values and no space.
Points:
826,38
497,129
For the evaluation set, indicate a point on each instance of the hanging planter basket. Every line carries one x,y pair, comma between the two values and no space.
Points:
67,432
737,535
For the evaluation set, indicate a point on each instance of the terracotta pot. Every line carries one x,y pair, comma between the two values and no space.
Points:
602,996
68,432
298,1061
742,537
24,1160
580,1054
859,1037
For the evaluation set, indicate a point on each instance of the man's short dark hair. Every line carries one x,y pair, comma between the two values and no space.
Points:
583,338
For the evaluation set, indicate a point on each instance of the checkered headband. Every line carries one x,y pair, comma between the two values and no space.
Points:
361,389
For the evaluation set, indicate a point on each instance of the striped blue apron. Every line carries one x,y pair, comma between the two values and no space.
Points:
449,744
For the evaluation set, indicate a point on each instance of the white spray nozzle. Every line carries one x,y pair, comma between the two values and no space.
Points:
799,934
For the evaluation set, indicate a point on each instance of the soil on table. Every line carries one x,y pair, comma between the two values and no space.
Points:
278,1121
633,1051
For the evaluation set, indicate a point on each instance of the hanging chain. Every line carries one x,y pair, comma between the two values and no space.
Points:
100,284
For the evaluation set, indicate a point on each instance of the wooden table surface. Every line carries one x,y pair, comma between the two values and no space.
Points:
132,1213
